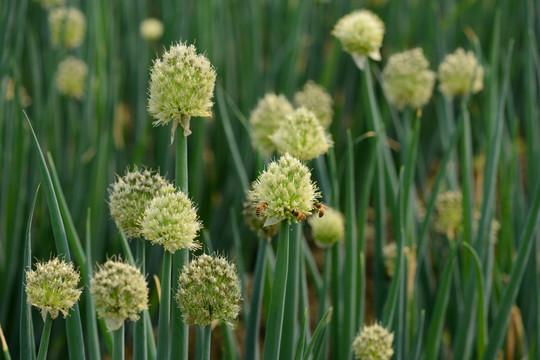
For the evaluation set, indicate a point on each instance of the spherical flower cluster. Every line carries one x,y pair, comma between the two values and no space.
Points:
449,213
68,27
71,77
407,79
328,228
460,74
315,98
120,292
52,287
208,291
151,29
181,86
252,216
266,118
302,136
361,34
170,220
373,342
284,191
49,4
129,196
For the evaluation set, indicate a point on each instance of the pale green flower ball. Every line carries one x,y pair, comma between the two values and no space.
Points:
120,293
255,221
285,191
361,34
374,342
302,136
181,86
328,228
407,79
67,26
170,220
266,118
52,287
208,291
460,74
449,213
315,98
151,29
71,77
129,196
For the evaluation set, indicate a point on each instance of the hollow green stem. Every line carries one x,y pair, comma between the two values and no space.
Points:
205,343
290,323
139,328
179,330
118,344
165,308
44,342
253,322
277,300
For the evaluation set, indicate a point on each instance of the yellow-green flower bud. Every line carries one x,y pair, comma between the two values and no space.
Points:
361,34
407,79
24,98
151,29
120,293
52,287
328,227
170,220
266,118
71,77
373,342
460,74
315,98
302,136
255,221
67,26
208,291
449,213
181,86
285,191
130,195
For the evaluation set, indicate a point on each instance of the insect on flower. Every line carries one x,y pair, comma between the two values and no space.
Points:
300,216
320,208
261,207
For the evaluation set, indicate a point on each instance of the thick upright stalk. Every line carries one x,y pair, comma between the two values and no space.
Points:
118,344
253,321
205,343
351,253
44,342
179,330
277,300
139,327
290,323
165,308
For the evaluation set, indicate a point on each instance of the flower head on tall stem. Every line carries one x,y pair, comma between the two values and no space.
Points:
208,291
374,342
70,77
266,118
361,34
329,228
407,79
460,74
302,136
181,86
120,293
315,98
52,287
285,191
129,196
171,220
67,26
